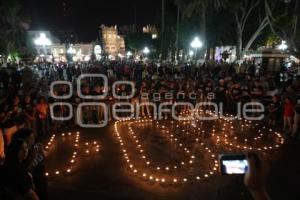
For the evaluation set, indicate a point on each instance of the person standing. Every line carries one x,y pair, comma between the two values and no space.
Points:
274,111
144,99
221,93
288,115
29,111
296,128
42,109
14,176
27,78
257,93
35,161
2,154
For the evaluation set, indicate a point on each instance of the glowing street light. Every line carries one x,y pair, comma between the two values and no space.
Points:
71,50
191,53
196,43
129,54
97,49
146,51
283,46
42,40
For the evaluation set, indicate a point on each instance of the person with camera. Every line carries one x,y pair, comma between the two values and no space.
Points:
255,178
34,162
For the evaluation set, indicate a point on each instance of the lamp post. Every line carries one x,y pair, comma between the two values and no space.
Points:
196,43
43,41
129,54
146,51
191,53
71,52
283,46
97,52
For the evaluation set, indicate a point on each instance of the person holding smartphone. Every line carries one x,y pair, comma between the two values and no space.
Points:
252,166
255,178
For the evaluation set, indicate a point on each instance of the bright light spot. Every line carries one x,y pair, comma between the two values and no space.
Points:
283,45
42,40
146,50
196,43
191,53
129,53
87,58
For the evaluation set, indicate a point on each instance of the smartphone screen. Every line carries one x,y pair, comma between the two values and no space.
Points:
233,164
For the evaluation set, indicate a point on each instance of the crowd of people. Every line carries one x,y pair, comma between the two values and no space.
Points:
25,102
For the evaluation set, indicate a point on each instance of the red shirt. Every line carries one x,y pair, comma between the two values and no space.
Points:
288,110
42,110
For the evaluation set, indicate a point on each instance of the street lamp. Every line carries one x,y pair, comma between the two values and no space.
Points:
71,53
129,54
71,50
97,52
283,46
196,43
191,53
43,41
146,51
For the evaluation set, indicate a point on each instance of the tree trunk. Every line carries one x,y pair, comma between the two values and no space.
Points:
294,48
262,26
239,37
177,35
162,29
239,48
203,32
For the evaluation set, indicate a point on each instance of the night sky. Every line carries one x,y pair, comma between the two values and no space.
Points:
85,16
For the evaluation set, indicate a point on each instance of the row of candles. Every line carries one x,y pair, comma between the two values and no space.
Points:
227,131
165,178
87,149
230,133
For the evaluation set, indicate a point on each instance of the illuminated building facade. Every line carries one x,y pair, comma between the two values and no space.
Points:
151,30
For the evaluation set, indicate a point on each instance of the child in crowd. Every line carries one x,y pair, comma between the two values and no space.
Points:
288,115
